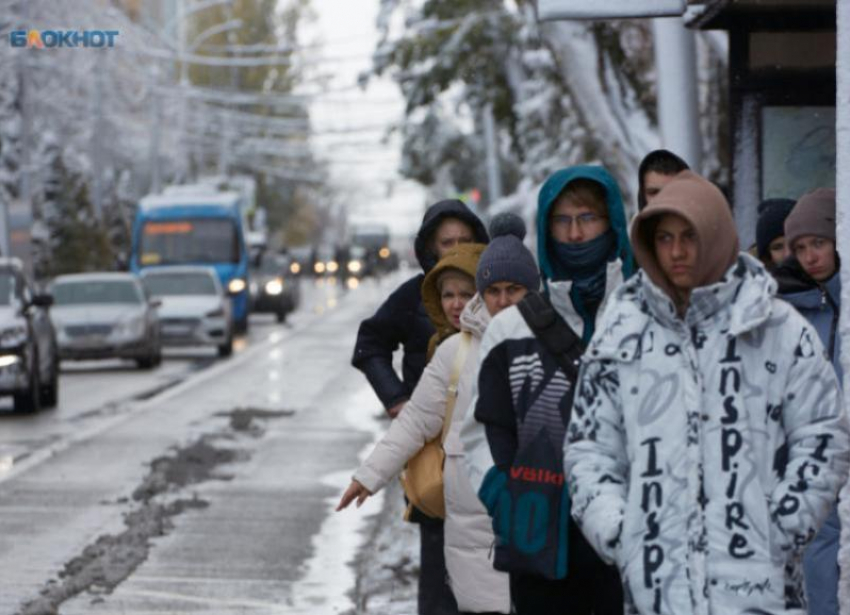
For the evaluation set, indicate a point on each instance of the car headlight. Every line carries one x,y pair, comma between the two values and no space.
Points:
295,268
384,252
274,287
13,337
333,266
132,327
216,313
319,267
236,285
8,360
354,266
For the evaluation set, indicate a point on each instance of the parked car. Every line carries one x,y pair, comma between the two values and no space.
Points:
105,315
194,310
29,362
273,288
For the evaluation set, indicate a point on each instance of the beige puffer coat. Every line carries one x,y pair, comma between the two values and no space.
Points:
468,532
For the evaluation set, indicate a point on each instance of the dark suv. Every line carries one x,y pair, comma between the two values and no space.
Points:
29,363
273,286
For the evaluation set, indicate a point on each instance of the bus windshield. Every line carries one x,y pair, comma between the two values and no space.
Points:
189,241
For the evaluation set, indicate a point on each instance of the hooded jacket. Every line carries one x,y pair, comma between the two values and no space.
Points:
514,434
705,450
621,262
401,320
820,304
463,258
468,535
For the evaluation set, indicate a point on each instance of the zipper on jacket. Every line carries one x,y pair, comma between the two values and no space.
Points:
826,301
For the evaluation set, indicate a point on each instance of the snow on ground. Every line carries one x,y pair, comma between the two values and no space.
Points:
364,560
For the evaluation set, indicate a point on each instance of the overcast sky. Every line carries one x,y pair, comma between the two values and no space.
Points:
363,167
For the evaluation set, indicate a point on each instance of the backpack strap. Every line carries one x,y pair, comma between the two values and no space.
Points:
552,332
457,367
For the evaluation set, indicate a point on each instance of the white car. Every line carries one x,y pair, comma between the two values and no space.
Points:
194,309
105,315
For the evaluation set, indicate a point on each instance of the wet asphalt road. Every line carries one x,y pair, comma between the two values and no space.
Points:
200,487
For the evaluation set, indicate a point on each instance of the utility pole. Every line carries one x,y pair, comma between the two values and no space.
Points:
183,162
97,135
491,144
227,128
678,103
24,141
156,134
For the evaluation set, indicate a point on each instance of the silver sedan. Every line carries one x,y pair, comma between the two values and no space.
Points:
105,315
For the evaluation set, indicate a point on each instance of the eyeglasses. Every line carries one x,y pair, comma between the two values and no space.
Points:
582,220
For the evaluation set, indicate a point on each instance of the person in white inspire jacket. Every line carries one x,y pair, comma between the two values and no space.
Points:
506,271
708,438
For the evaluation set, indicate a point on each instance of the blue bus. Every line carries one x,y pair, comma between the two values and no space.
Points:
202,228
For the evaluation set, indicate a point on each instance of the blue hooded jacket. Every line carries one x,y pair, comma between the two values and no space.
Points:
552,188
820,304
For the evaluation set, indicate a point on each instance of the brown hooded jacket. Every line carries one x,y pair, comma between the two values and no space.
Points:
703,205
463,258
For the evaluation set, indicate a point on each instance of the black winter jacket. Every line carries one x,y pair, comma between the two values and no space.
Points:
401,320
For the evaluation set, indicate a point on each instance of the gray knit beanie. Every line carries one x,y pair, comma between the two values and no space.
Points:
814,214
506,259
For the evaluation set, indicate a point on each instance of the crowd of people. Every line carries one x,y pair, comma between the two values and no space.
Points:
643,419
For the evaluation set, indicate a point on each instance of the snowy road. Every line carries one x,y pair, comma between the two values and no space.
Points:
202,486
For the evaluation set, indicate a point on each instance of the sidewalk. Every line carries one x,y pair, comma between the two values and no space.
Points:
388,565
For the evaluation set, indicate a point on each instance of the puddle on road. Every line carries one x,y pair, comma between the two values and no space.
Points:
332,576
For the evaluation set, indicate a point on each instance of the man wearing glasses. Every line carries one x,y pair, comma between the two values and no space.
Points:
514,433
584,251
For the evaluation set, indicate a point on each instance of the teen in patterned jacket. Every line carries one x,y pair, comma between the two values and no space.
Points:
708,439
514,437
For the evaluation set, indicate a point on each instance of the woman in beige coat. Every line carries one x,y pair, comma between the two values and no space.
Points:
505,273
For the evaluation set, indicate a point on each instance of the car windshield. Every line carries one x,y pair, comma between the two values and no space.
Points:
7,287
172,284
97,291
273,265
300,252
189,241
371,236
